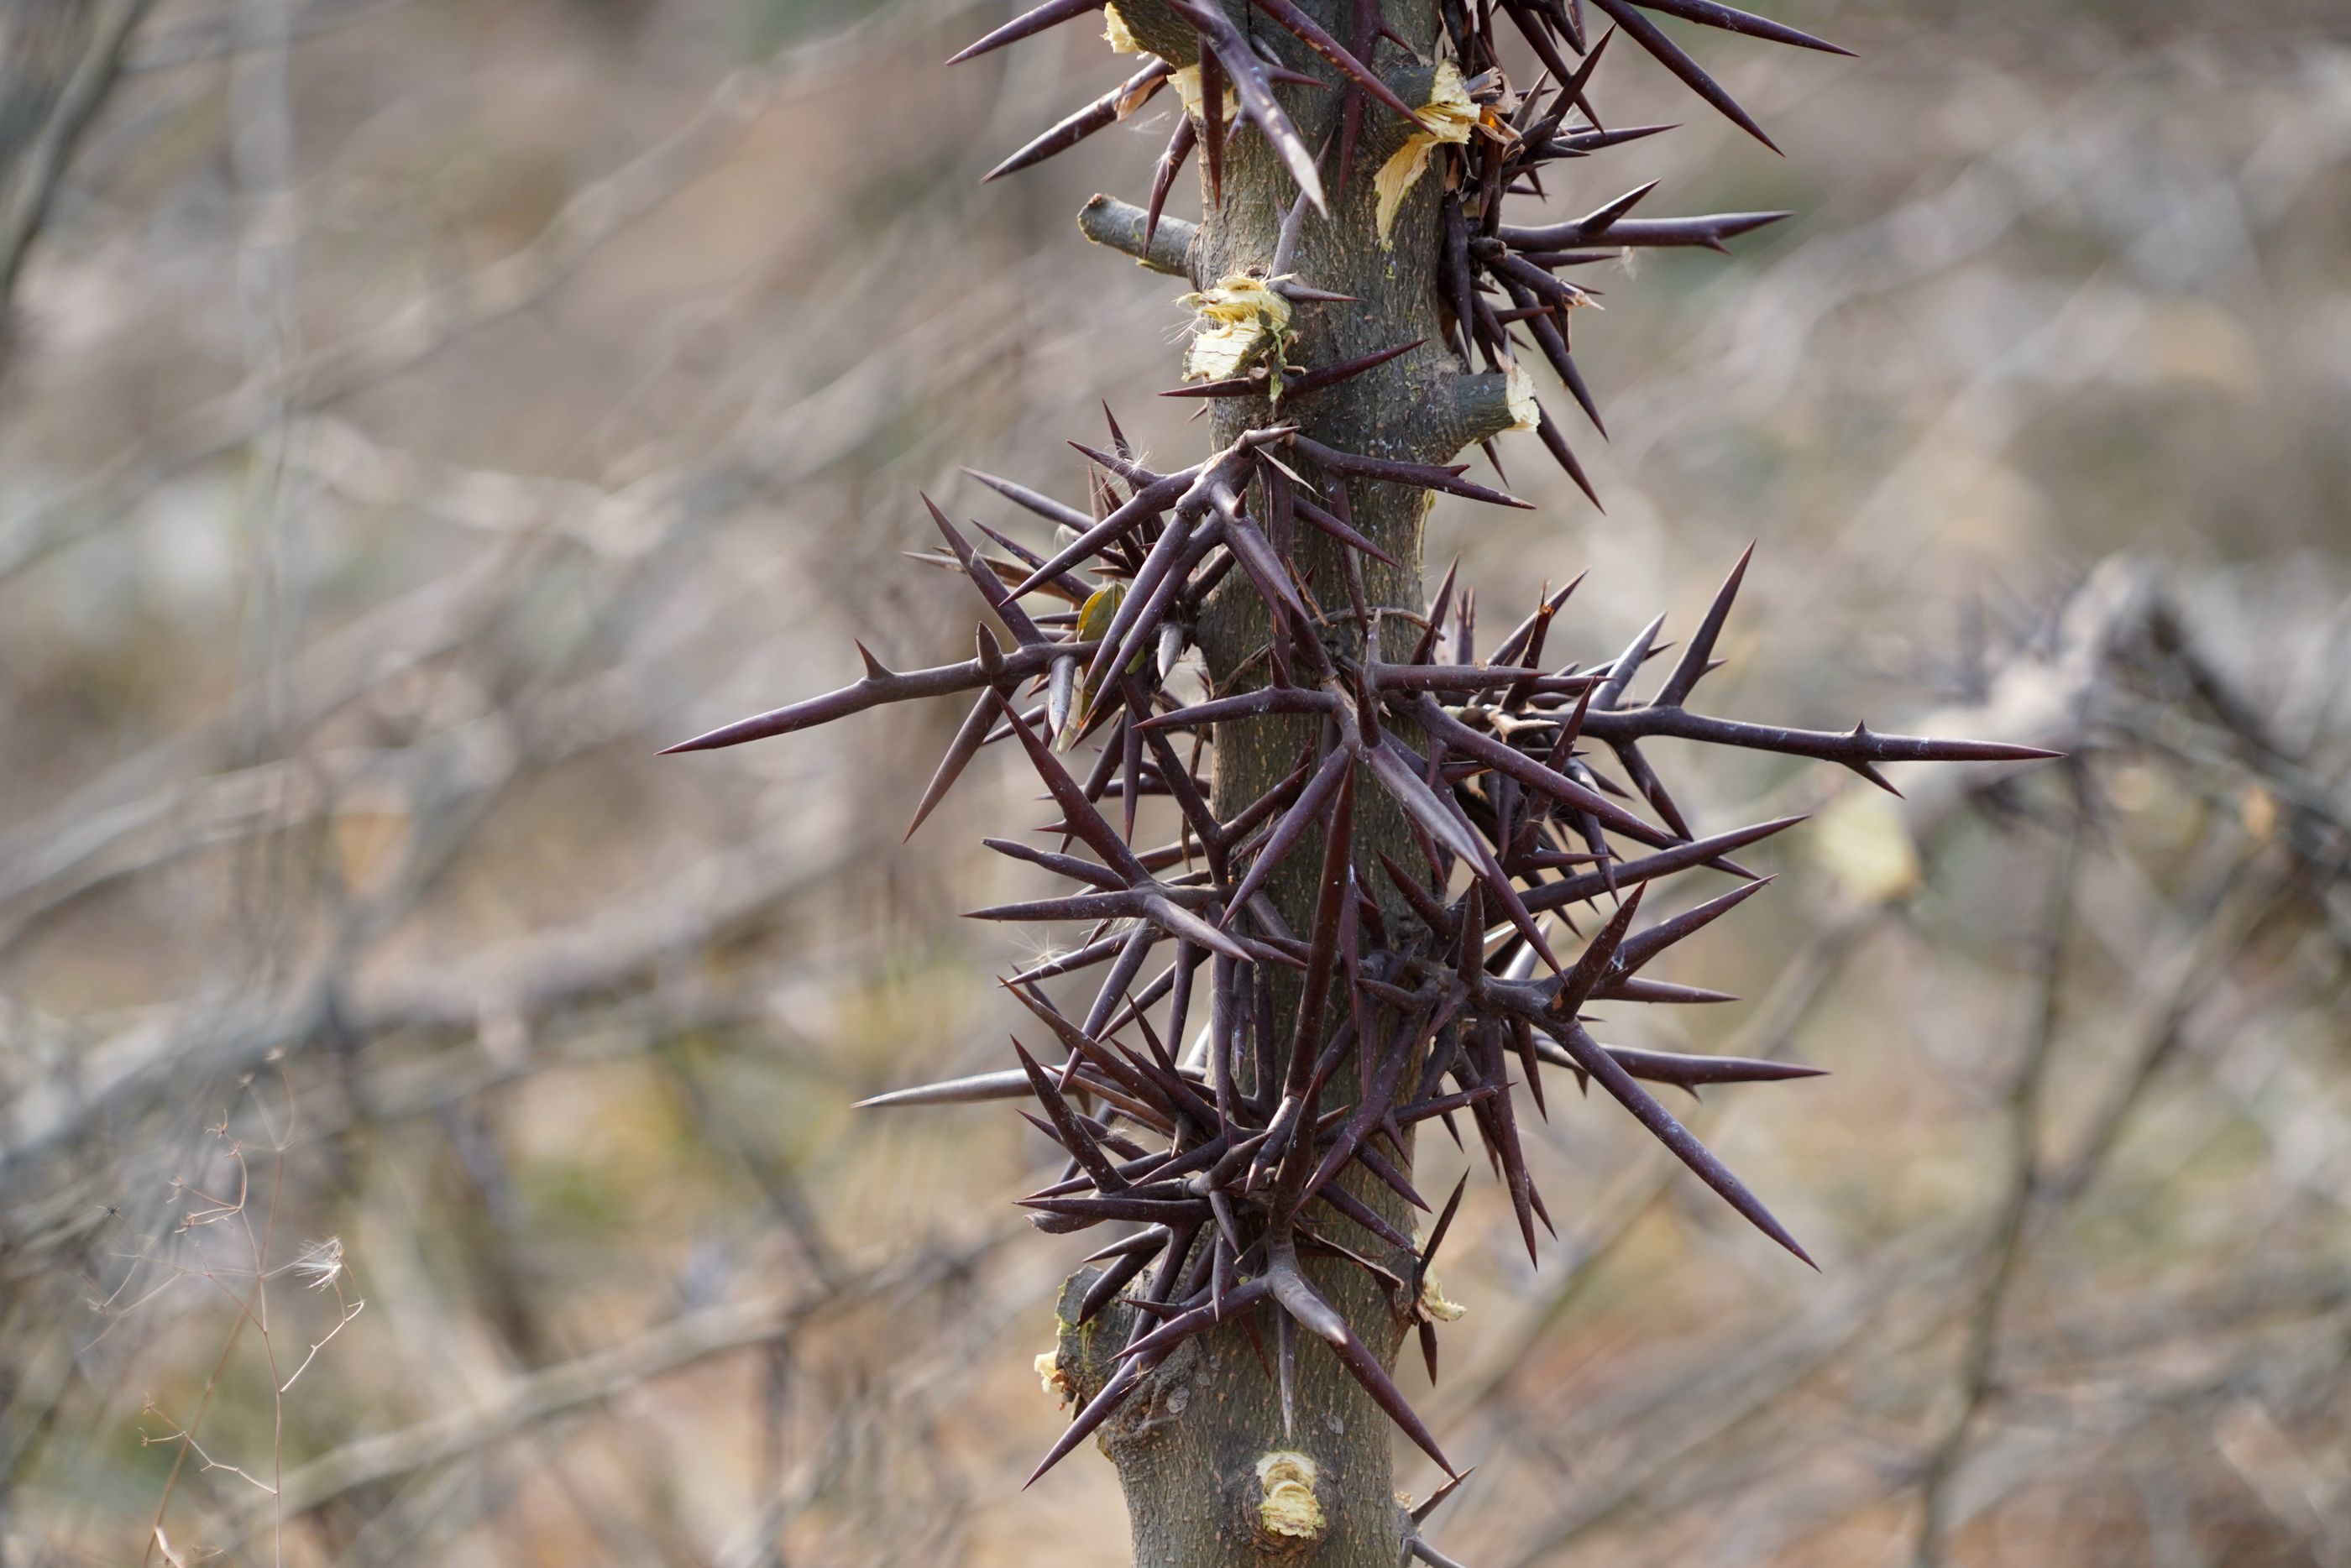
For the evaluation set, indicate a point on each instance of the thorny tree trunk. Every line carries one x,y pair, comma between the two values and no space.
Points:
1189,1444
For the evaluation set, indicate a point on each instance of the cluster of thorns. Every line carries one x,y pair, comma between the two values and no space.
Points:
1421,997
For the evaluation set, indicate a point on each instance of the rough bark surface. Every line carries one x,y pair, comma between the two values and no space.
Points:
1189,1444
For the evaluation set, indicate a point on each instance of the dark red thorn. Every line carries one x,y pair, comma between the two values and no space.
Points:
1709,13
1303,1301
1362,40
1444,1223
1098,1409
1572,89
1509,760
1341,531
1453,267
1045,506
1636,989
1691,1071
1554,442
1594,1059
1222,42
1620,673
1067,866
1524,644
960,751
1082,1046
1256,1343
1285,1331
1421,1512
939,682
1010,1084
1094,1210
1363,1214
1594,225
1693,662
1264,700
1668,54
1679,856
1639,949
1598,957
1539,39
1859,744
1147,1242
1311,32
1335,887
1026,25
1163,175
1638,233
1112,107
1335,774
1441,818
1212,122
1068,1131
1583,142
1379,1165
1424,904
1115,1279
1197,1320
991,587
1077,811
1522,1038
1314,380
1426,475
1438,607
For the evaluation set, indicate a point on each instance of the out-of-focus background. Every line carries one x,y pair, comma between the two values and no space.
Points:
414,412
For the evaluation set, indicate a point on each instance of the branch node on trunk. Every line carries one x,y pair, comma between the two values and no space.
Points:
1289,1516
1107,221
1484,405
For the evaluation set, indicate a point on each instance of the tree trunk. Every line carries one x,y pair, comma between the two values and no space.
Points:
1210,1475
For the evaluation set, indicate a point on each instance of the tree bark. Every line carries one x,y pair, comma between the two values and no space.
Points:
1210,1475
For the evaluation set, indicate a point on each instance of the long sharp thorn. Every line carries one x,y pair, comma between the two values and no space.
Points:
1594,1060
1598,957
1223,42
1026,25
1303,1301
1437,611
1311,32
1639,949
1212,122
960,751
1285,1329
1444,1223
1668,54
1163,176
1112,107
1709,13
1331,374
1554,442
1010,1084
1077,813
1696,852
1429,1505
1043,506
1693,662
1098,1409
